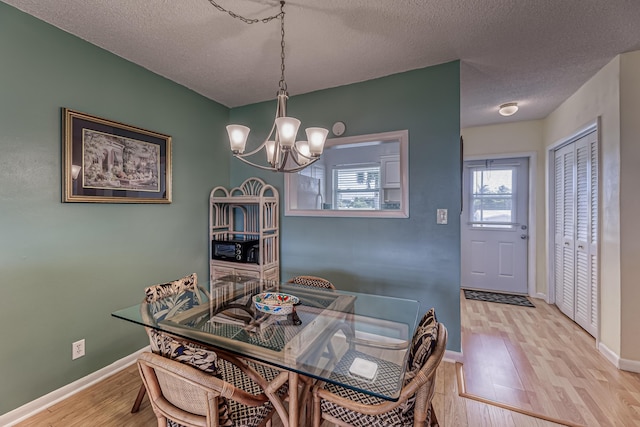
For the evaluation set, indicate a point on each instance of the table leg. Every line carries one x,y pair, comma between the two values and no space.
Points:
294,406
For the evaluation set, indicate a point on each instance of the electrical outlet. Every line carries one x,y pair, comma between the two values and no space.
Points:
77,349
442,216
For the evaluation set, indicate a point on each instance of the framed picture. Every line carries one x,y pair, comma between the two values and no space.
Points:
110,162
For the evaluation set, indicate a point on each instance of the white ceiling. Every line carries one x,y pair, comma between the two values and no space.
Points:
535,52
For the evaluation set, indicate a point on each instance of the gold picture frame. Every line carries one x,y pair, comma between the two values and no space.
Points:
110,162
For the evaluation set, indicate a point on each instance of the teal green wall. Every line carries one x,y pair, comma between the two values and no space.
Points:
66,266
414,257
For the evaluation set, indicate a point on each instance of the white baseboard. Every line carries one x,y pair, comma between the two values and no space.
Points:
609,355
540,295
453,356
623,364
40,404
630,365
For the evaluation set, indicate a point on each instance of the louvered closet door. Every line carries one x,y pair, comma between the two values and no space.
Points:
576,228
564,230
586,233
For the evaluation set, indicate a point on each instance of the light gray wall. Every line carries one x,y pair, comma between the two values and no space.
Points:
66,266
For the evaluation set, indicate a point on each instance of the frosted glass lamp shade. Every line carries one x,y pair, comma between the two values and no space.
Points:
271,149
316,137
238,137
287,130
303,148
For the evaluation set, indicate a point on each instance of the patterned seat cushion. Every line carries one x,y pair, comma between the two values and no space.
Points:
386,380
317,282
156,292
205,360
422,345
243,415
232,413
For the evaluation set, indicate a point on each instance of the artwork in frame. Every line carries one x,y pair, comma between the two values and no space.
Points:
110,162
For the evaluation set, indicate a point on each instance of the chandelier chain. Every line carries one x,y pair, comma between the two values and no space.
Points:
282,83
247,20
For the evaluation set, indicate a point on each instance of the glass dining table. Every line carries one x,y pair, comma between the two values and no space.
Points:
313,342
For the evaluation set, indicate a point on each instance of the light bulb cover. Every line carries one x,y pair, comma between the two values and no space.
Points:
238,135
287,131
271,150
303,149
316,137
508,109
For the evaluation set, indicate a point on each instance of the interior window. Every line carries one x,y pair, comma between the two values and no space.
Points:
356,176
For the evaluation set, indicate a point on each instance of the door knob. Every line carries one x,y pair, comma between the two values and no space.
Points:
523,236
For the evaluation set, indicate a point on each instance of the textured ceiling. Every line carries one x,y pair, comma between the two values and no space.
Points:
535,52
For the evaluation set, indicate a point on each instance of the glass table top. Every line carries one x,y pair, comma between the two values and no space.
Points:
356,340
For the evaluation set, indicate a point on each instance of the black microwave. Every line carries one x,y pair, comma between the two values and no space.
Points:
236,248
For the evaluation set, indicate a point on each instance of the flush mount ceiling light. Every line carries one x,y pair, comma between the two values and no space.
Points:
508,109
283,152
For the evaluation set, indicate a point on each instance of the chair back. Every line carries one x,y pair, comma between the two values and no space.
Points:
317,282
163,290
420,385
180,392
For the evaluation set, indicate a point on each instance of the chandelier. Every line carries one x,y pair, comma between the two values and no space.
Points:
283,153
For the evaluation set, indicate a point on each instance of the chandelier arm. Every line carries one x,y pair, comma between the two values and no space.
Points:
255,165
298,168
272,169
299,153
261,145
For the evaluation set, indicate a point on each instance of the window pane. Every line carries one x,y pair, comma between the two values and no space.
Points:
357,187
492,197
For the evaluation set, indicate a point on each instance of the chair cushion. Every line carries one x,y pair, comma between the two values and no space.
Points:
422,345
156,292
318,282
205,360
243,415
386,379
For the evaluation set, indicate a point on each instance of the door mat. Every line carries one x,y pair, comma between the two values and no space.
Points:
498,297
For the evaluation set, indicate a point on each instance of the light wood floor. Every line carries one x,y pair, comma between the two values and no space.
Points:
559,374
108,403
539,360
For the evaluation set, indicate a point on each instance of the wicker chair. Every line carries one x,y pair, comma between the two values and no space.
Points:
193,393
317,282
155,293
346,407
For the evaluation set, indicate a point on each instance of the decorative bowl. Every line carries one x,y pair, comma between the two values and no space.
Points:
275,302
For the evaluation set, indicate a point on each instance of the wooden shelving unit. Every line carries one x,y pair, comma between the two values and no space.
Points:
252,209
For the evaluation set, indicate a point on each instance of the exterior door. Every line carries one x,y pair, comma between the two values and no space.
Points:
494,226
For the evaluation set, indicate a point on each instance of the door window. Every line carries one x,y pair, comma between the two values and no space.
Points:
492,197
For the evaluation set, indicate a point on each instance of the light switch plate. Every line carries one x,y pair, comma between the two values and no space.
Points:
442,215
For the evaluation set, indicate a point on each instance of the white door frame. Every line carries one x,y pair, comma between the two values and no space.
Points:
589,127
531,244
